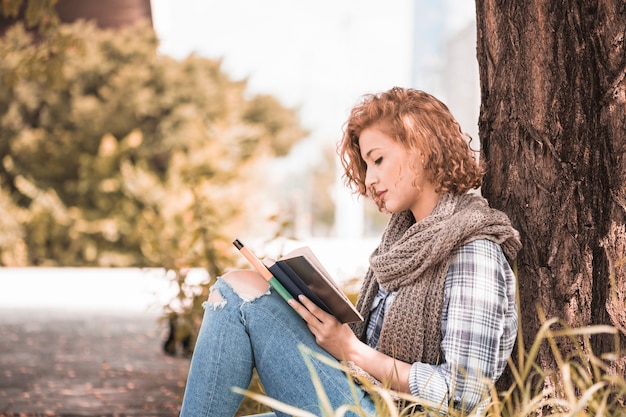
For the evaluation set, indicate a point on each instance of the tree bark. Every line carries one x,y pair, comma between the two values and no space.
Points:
106,13
553,132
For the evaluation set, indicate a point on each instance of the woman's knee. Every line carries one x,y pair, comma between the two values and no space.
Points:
246,283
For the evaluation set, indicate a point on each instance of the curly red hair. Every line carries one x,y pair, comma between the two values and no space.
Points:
421,123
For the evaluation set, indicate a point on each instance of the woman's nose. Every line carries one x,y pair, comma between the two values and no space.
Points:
370,178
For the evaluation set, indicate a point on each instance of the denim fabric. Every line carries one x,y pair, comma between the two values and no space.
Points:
265,333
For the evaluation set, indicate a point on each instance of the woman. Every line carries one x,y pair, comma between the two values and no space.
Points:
438,298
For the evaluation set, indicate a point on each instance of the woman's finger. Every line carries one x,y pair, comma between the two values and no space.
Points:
320,314
304,312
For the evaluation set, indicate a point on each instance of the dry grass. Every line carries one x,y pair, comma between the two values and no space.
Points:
584,385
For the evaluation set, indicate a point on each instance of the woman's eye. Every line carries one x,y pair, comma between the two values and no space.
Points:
378,161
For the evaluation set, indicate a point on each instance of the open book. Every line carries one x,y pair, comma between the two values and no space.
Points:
300,272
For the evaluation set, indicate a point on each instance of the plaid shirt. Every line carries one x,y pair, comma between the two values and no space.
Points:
478,327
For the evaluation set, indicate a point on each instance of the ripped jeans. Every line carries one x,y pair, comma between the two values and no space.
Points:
237,336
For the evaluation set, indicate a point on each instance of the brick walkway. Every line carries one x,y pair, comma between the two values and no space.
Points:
78,363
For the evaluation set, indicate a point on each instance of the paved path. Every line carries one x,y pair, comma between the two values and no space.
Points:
86,363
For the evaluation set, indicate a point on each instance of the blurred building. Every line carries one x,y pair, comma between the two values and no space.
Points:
444,64
444,59
429,52
461,91
105,13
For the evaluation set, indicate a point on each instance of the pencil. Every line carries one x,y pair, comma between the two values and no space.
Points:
262,269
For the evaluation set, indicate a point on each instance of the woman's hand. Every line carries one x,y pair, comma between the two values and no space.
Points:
334,337
339,340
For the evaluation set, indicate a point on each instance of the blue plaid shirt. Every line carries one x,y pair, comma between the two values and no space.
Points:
478,327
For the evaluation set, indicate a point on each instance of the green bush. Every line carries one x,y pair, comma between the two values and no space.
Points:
131,158
126,157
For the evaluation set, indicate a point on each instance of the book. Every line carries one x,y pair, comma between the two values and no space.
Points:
301,272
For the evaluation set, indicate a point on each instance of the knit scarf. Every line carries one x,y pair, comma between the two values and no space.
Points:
413,259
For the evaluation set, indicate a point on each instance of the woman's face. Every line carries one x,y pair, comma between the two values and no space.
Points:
394,176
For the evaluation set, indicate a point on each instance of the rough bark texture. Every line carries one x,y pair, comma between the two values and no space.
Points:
106,13
553,132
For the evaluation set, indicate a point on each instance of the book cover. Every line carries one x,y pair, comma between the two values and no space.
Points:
292,282
312,276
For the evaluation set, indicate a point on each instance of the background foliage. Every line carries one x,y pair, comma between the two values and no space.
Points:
125,157
136,160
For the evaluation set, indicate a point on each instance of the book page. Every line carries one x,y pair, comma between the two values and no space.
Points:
310,256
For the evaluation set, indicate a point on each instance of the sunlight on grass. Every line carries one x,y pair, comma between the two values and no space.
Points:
582,386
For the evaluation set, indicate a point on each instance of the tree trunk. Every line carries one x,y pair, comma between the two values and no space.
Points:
106,13
553,133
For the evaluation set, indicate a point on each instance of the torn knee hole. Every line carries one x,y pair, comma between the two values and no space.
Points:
215,297
249,285
215,300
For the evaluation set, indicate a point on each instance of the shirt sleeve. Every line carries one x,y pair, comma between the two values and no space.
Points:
479,325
